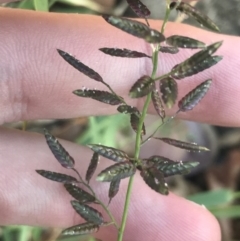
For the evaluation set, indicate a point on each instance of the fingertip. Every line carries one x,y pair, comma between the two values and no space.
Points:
203,222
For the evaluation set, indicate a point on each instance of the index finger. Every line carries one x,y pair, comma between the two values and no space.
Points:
37,83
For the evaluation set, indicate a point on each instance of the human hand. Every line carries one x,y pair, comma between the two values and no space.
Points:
37,84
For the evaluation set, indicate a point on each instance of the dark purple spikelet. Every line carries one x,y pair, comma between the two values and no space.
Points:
169,167
189,101
134,121
157,103
184,42
142,87
78,193
183,145
139,8
88,213
124,53
118,171
135,28
109,152
80,66
58,151
198,62
92,166
155,180
127,109
168,49
113,189
169,91
189,10
80,229
99,95
57,177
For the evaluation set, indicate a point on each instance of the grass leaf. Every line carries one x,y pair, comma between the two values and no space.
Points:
41,5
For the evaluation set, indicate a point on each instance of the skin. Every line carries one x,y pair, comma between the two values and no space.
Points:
37,84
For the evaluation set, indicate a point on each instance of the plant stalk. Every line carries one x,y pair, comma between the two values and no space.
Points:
139,130
137,150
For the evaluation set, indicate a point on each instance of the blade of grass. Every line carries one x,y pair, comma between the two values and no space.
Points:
24,233
226,212
41,5
51,3
26,4
214,198
36,234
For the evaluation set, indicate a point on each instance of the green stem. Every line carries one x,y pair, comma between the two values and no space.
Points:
162,76
167,13
139,130
78,174
125,211
136,156
161,125
137,150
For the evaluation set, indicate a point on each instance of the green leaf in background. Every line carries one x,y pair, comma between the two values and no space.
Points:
76,6
103,129
23,233
211,199
78,238
226,212
51,2
41,5
219,202
62,6
26,4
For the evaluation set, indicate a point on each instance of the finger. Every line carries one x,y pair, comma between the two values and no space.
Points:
37,83
27,198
